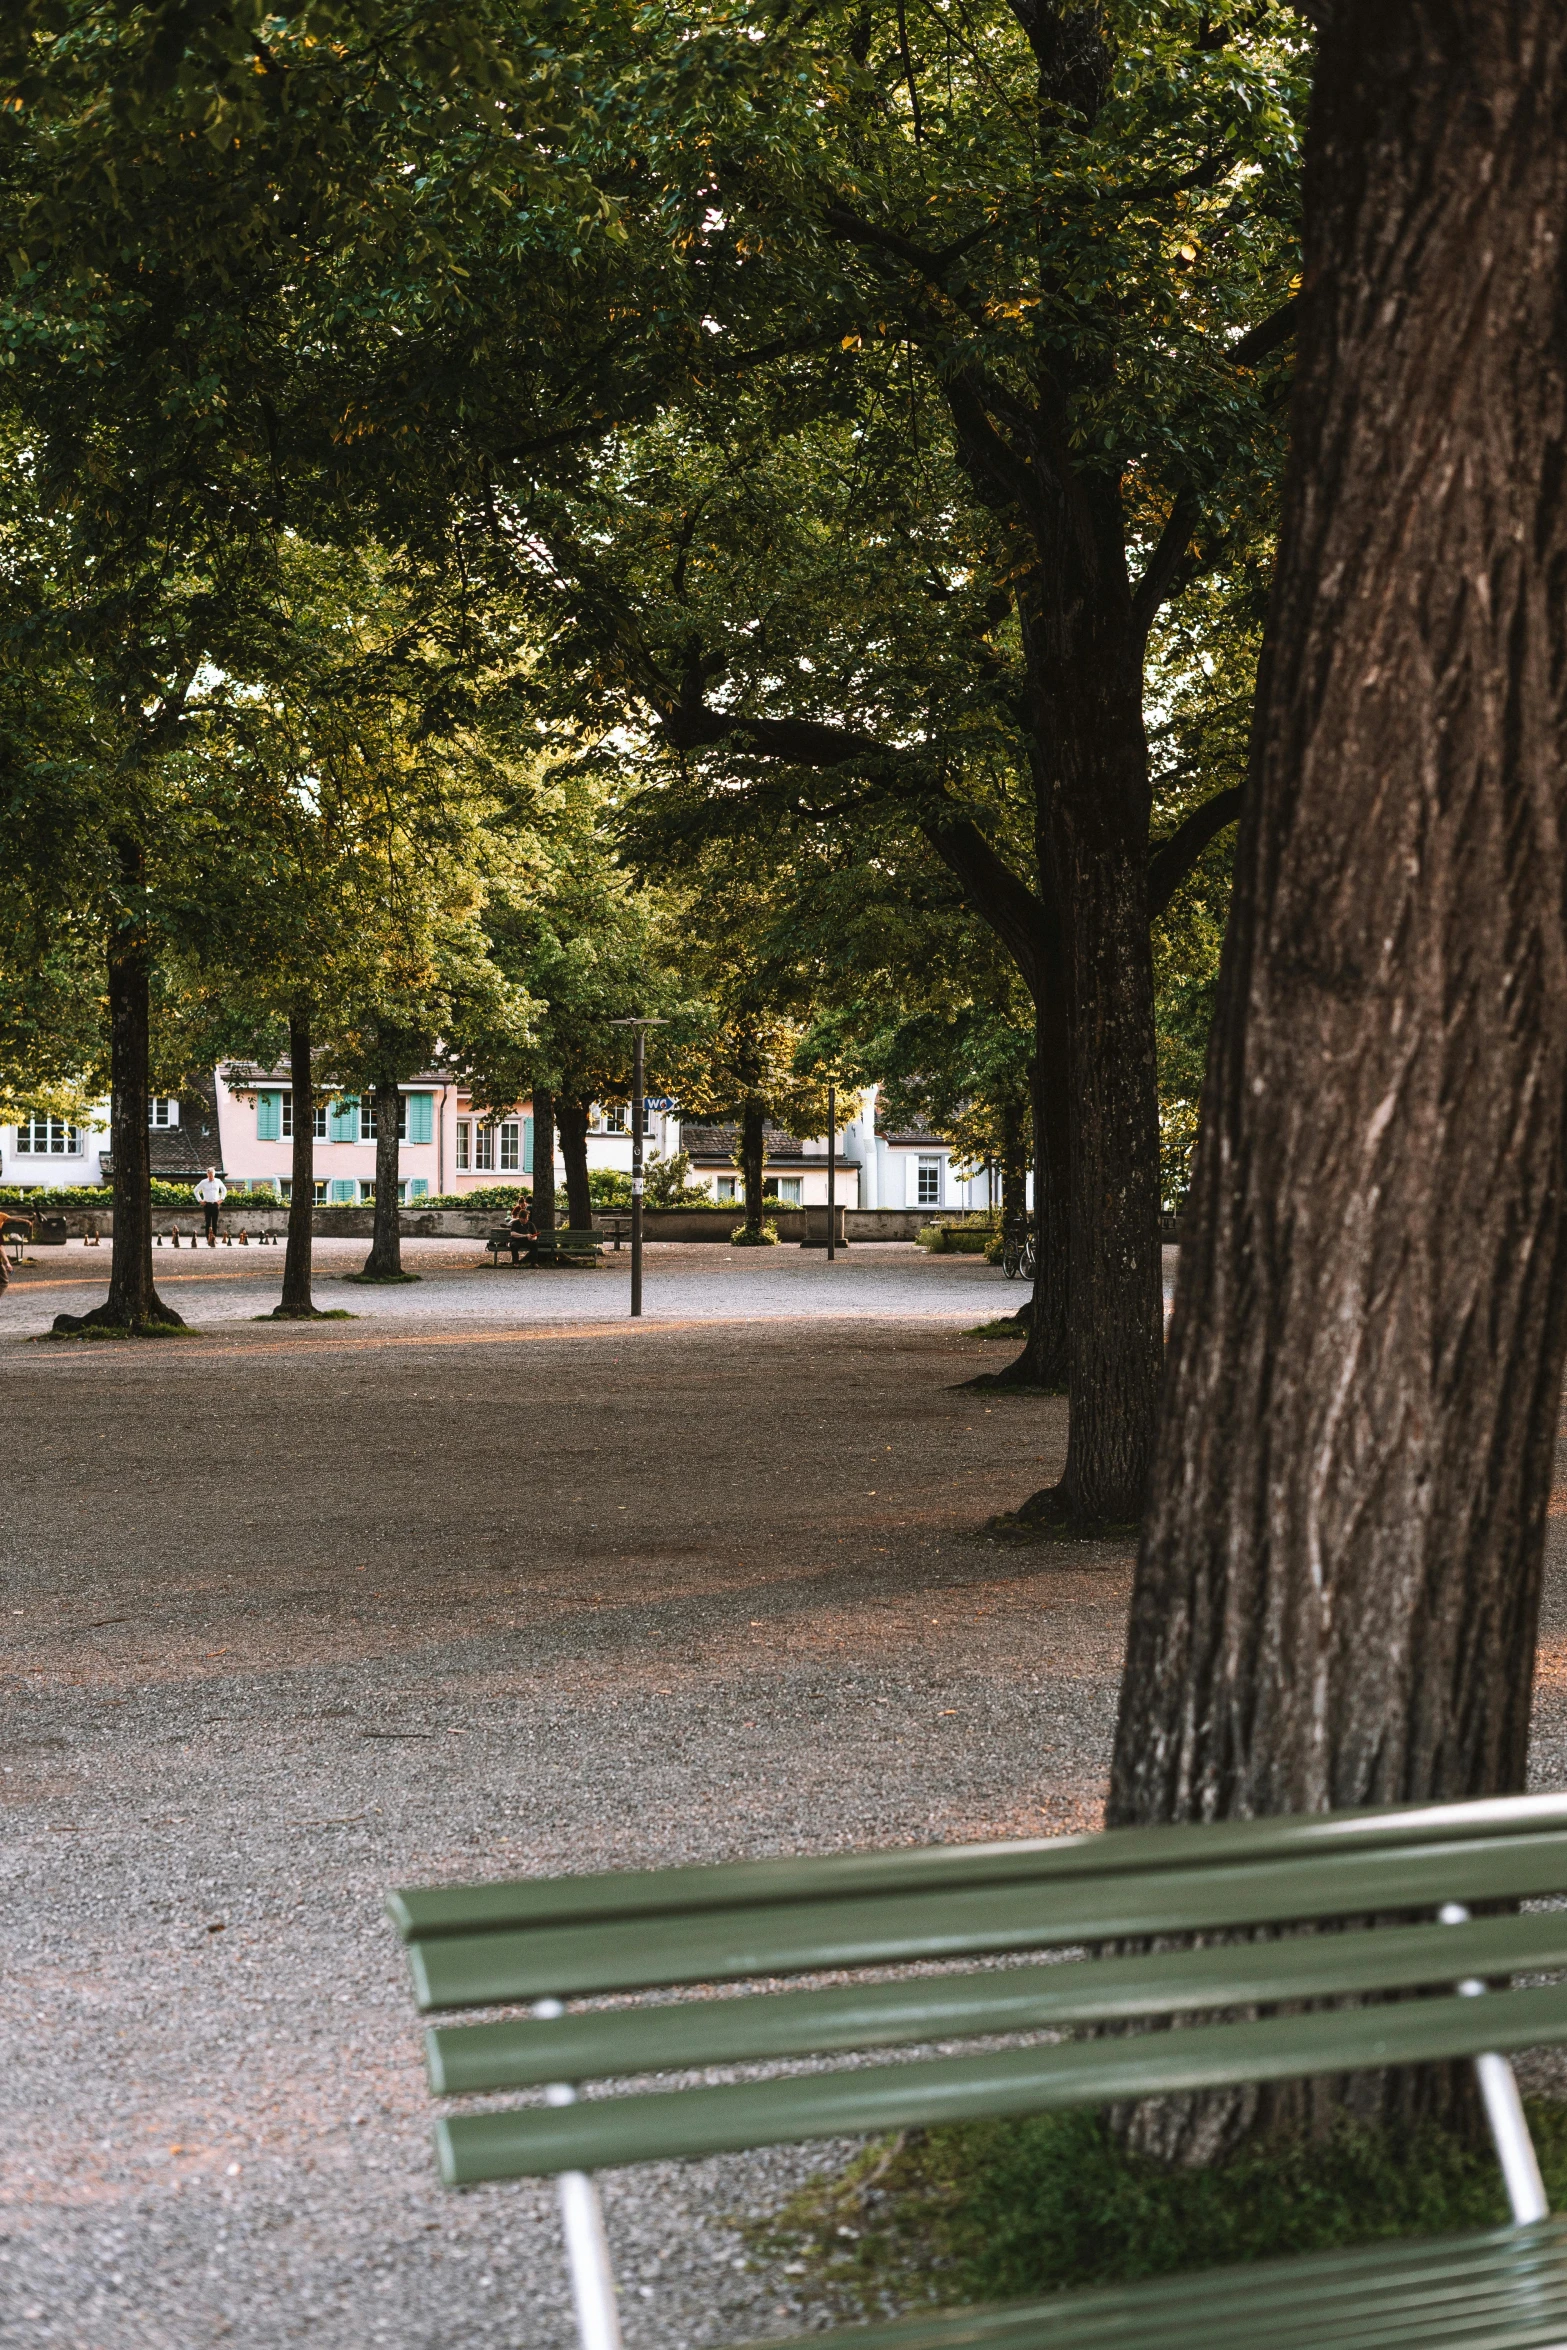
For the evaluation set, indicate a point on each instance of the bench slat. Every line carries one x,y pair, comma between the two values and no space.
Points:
539,2141
488,1969
1503,2286
421,1912
464,2058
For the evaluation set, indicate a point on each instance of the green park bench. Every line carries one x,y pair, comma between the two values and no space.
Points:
1398,1887
569,1246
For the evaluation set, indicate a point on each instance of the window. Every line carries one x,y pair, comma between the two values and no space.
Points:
318,1192
616,1119
461,1161
511,1147
366,1190
418,1187
285,1189
727,1187
367,1128
317,1119
37,1138
927,1183
163,1110
789,1190
484,1147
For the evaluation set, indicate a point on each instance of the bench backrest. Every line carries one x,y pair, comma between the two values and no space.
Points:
1383,1880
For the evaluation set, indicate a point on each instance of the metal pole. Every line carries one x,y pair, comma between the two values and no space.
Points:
1504,2109
582,2224
832,1169
637,1081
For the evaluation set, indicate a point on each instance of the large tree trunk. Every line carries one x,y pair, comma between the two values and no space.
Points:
133,1304
385,1261
572,1120
1337,1596
544,1159
753,1159
297,1303
1086,668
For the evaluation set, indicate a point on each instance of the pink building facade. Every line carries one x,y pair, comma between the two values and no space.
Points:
445,1146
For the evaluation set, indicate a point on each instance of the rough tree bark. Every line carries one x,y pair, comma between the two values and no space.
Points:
133,1305
297,1303
1337,1596
385,1261
571,1119
544,1159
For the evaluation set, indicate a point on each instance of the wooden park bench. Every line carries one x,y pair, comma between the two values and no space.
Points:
1398,1888
567,1247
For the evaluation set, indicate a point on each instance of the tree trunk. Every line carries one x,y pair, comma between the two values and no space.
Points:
544,1159
385,1261
753,1158
1043,1323
297,1303
1086,669
1337,1597
133,1304
572,1120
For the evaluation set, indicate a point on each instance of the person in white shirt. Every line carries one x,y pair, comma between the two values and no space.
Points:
212,1193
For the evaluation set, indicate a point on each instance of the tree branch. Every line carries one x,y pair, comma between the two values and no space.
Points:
1165,561
1172,859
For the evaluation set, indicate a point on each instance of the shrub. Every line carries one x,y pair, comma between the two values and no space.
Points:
766,1238
609,1187
669,1183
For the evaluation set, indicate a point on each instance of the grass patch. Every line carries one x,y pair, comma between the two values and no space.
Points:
1005,1328
97,1333
380,1280
321,1314
994,2211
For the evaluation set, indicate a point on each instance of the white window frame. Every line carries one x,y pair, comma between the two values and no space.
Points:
483,1148
511,1146
317,1120
61,1140
727,1187
789,1190
927,1170
318,1191
163,1111
367,1120
460,1157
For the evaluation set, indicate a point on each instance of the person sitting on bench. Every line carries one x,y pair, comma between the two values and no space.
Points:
522,1232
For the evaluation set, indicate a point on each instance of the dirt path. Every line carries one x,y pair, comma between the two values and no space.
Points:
295,1616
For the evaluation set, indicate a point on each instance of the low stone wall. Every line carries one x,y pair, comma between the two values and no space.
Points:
248,1213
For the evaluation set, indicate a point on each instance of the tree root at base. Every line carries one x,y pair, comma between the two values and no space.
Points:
1048,1517
109,1322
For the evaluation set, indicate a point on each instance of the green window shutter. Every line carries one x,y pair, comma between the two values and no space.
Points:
417,1186
269,1117
344,1189
421,1124
527,1146
342,1123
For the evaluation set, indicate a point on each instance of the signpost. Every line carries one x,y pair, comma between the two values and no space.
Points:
637,1027
832,1171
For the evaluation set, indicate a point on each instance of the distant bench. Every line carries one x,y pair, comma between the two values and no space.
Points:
1424,1978
571,1247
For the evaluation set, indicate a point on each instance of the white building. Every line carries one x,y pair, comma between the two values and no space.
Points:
897,1168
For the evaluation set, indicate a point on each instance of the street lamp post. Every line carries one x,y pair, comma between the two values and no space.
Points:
637,1027
832,1171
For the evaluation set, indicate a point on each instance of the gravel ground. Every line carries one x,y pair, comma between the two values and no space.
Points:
465,1588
